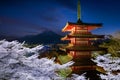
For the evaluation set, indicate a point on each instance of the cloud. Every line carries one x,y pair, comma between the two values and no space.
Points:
32,16
13,26
70,4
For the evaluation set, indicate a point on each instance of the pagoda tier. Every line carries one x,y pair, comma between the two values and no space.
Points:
91,37
90,26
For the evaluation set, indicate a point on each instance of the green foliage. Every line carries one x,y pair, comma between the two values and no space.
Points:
64,59
65,72
113,46
97,53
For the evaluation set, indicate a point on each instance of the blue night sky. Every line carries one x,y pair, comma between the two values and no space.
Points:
30,17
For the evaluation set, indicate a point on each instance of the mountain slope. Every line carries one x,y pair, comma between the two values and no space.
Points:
47,37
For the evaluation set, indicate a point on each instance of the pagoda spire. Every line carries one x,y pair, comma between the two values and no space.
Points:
78,10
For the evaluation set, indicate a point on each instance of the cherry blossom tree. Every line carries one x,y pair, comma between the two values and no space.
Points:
111,65
15,65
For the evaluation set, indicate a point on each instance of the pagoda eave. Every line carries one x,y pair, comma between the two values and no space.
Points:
84,63
65,38
86,24
90,26
86,48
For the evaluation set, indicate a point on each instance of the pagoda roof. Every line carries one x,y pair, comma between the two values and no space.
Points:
84,48
86,24
67,37
79,23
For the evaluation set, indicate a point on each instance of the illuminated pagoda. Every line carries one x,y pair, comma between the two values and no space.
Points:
81,43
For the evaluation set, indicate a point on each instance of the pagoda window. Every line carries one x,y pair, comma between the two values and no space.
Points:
81,31
83,54
81,39
75,68
76,54
81,28
81,42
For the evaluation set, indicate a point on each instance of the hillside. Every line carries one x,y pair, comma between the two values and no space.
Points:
47,37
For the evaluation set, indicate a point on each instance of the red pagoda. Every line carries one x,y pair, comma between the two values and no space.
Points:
81,44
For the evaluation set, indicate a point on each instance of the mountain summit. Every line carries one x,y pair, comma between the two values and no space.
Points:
46,37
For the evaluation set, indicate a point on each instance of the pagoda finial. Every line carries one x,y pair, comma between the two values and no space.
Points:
78,10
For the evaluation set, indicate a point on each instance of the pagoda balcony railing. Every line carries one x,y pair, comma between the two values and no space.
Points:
84,33
70,44
76,68
73,44
77,56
